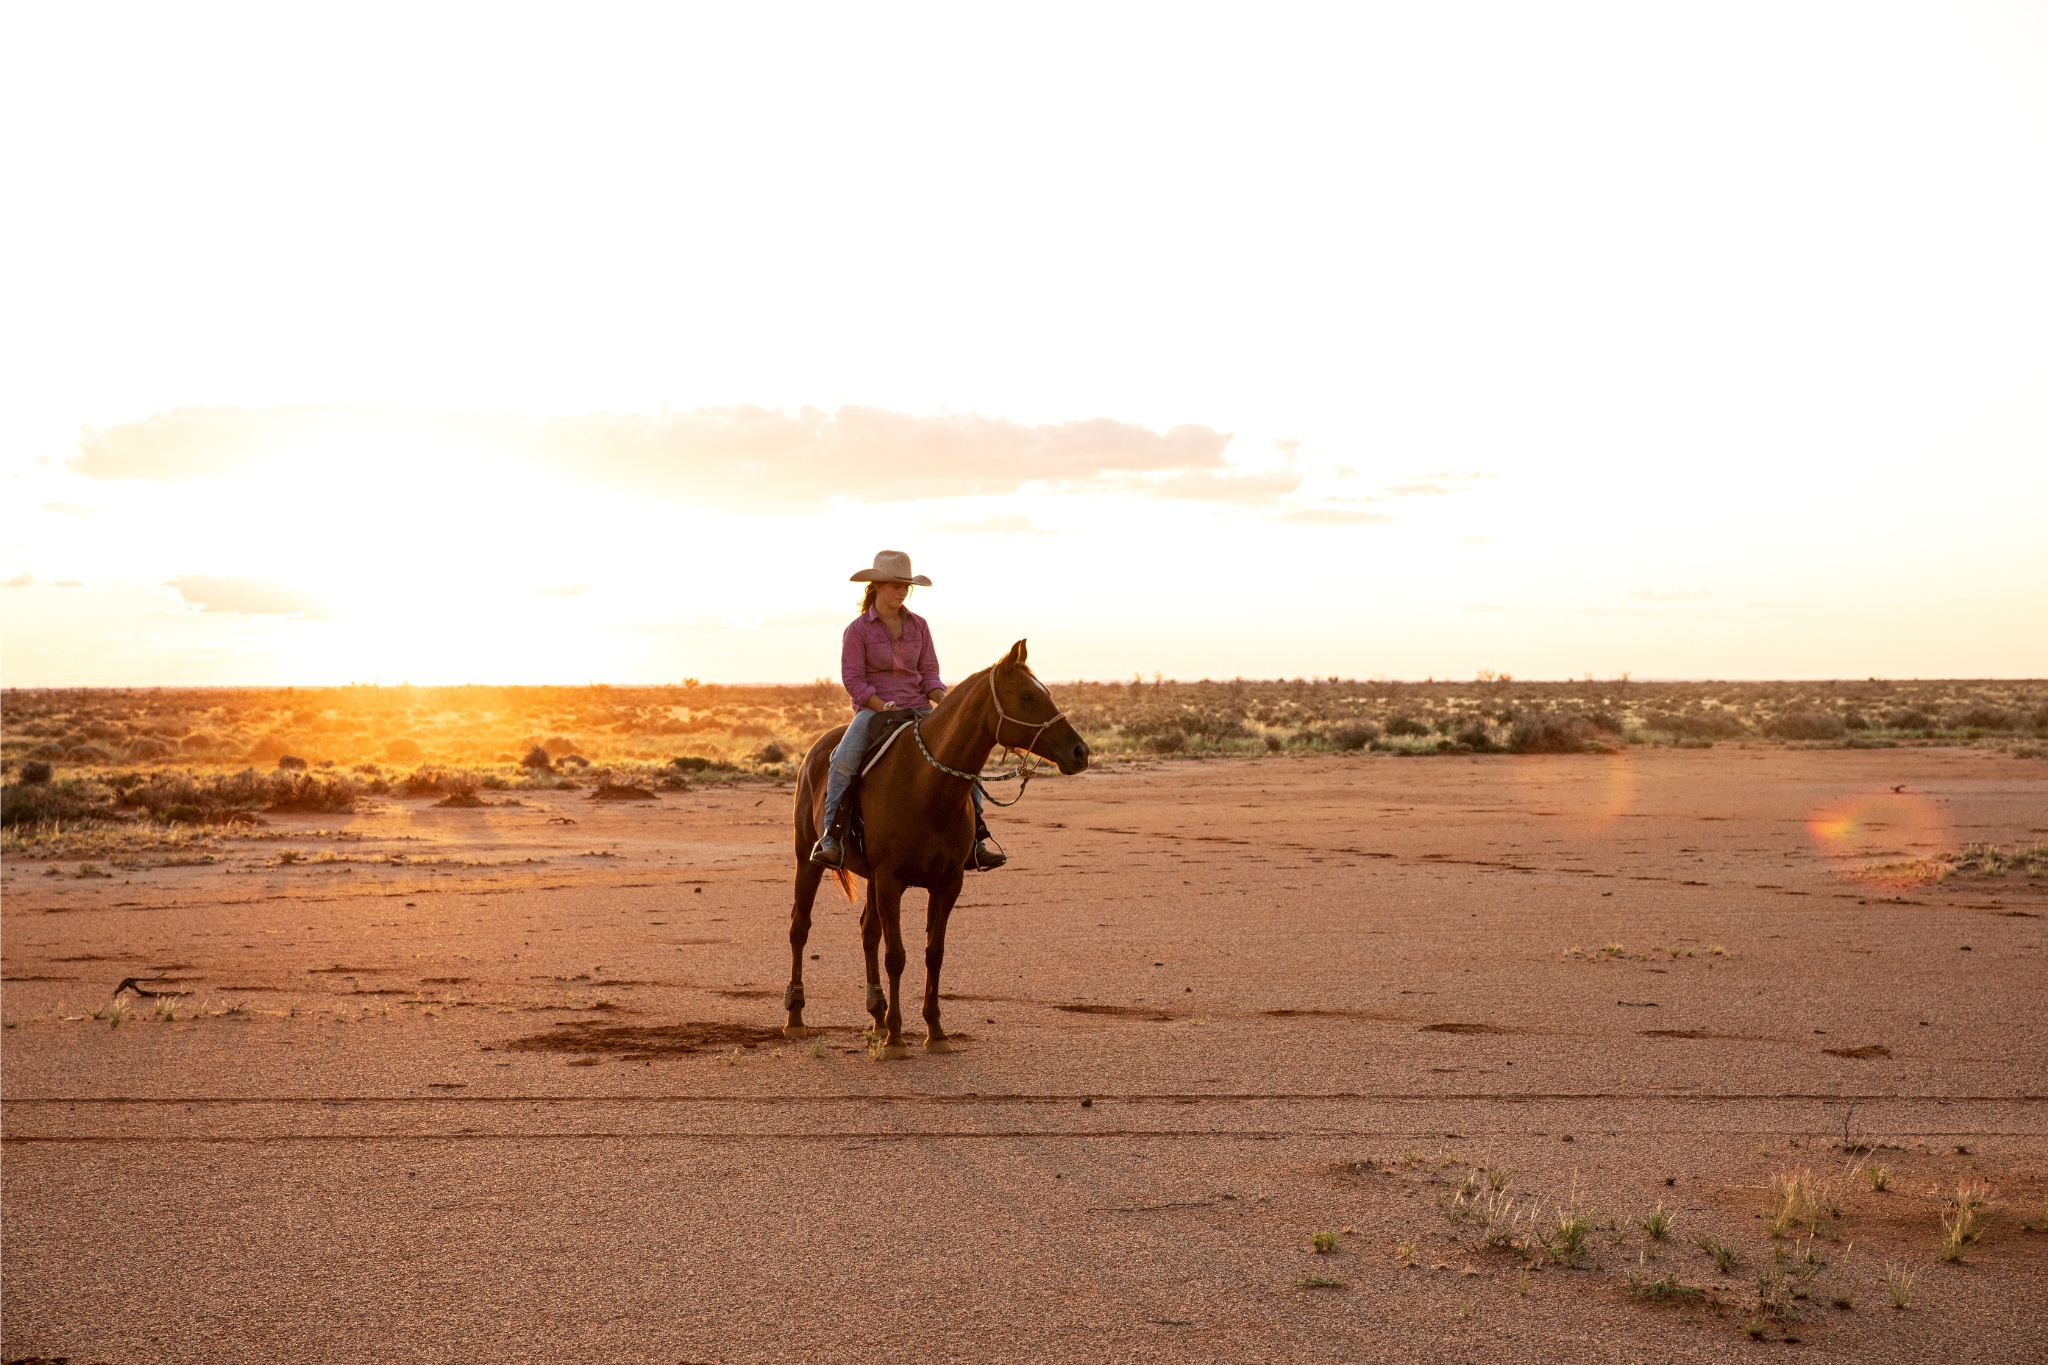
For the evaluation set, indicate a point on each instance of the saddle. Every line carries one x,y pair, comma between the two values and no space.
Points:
886,728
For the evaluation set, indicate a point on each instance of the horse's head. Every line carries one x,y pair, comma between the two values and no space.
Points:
1026,718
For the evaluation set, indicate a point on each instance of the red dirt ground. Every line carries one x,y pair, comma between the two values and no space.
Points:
517,1098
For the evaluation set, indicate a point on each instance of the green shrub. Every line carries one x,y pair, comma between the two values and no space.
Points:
1805,725
39,803
1353,735
1166,742
1558,735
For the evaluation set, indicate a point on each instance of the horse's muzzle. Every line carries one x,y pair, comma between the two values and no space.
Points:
1071,757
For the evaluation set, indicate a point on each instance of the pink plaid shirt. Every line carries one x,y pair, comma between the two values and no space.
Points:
901,671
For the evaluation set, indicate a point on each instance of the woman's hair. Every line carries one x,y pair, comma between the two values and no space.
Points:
867,598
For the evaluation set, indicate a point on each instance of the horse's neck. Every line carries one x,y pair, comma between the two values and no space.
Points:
961,734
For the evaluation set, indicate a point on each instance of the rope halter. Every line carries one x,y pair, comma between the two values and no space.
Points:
1003,719
1020,771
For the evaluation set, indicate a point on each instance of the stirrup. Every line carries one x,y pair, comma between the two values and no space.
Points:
982,858
832,855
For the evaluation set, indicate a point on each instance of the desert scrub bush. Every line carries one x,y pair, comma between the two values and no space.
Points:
1562,734
62,802
186,798
1984,718
1166,741
1322,1243
1407,725
1352,736
1657,1223
1805,725
1477,735
1897,1283
436,781
1696,724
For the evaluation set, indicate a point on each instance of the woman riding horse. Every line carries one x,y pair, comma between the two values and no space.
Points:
888,664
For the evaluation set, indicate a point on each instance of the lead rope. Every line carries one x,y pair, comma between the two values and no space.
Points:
1021,773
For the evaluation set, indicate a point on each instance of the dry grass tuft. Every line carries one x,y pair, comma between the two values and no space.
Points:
1798,1204
1963,1218
1725,1257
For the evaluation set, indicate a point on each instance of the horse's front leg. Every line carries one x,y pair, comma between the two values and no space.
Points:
808,875
935,918
889,904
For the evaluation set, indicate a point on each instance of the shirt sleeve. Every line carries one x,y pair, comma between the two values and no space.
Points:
927,662
853,665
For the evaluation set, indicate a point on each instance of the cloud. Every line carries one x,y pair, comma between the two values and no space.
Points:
1251,488
1437,485
1334,516
1671,594
1484,606
248,597
187,443
749,454
993,526
865,454
68,509
20,580
562,590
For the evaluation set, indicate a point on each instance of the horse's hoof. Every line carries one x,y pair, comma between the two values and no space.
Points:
938,1045
892,1052
795,1031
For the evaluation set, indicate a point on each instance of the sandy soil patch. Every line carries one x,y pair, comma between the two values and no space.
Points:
485,1085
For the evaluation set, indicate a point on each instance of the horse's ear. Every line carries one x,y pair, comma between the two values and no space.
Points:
1016,654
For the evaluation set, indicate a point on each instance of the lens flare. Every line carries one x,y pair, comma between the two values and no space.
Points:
1587,794
1890,839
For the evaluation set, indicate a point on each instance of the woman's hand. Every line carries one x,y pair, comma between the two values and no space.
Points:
876,703
936,695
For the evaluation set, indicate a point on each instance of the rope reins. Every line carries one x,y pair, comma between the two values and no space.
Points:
1022,771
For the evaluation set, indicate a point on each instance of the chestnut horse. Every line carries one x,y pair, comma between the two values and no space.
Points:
919,829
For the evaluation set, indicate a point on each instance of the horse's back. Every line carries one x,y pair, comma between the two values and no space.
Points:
810,788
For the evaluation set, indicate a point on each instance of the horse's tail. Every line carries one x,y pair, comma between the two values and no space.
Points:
846,884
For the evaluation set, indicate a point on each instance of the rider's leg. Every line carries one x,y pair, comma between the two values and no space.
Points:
846,762
986,854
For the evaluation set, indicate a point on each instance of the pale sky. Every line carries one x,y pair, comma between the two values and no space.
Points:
521,344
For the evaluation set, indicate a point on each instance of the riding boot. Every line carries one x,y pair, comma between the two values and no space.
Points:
830,850
987,853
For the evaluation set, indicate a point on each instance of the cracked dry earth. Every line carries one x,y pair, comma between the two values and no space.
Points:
521,1096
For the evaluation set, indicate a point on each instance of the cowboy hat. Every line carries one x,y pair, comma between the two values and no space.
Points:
891,566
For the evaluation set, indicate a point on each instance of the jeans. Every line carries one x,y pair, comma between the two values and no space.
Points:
851,754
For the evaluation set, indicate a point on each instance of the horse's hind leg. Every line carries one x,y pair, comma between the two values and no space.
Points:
935,917
870,941
808,875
